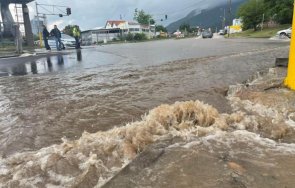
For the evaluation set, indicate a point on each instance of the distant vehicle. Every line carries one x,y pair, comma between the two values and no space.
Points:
178,34
285,33
207,34
221,32
37,42
66,41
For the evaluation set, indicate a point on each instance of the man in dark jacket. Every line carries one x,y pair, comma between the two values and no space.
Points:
45,37
57,35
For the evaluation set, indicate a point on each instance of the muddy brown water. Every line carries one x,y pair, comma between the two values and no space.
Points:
62,97
37,111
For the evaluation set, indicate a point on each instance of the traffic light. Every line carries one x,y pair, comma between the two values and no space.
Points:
69,11
166,16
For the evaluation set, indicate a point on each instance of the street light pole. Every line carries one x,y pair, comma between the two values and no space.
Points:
1,36
149,28
223,20
262,22
229,11
38,26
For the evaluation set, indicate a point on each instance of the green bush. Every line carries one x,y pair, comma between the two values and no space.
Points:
129,37
133,37
140,36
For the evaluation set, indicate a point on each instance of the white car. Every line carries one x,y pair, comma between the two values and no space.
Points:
285,33
66,40
221,32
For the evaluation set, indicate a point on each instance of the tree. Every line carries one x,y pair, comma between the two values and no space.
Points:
160,28
185,27
252,13
143,18
69,29
280,10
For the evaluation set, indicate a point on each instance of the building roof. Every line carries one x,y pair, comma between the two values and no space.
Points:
133,23
102,29
96,28
116,22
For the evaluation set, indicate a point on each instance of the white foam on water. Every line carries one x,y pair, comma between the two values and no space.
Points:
60,178
31,182
3,168
249,137
290,121
250,106
52,186
262,146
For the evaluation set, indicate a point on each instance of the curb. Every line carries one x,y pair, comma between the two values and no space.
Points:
9,56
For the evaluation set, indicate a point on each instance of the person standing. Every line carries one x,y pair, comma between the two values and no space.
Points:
57,35
45,37
76,33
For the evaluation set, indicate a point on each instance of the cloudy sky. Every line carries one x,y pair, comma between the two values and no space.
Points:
94,13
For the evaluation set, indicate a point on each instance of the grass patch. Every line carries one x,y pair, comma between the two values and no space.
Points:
265,33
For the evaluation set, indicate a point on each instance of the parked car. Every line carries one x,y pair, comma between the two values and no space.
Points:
285,33
178,34
66,40
221,32
207,34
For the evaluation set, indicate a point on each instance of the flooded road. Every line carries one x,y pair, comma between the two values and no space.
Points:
90,90
56,98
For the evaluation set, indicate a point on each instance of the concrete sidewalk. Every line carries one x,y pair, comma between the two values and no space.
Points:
28,57
11,53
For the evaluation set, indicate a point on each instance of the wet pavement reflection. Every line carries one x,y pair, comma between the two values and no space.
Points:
44,65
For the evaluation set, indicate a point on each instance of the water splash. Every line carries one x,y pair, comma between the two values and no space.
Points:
99,156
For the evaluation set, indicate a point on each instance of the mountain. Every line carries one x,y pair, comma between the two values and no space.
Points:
207,18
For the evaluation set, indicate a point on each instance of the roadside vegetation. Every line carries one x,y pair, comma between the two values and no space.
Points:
265,33
256,12
69,30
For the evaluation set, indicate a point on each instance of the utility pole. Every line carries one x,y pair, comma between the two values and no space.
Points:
223,20
230,19
18,36
1,34
262,22
38,26
150,19
149,28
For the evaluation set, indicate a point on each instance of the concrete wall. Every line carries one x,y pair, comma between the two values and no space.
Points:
96,36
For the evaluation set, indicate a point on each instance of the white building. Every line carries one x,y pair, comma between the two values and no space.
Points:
114,29
130,27
116,24
95,36
237,22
